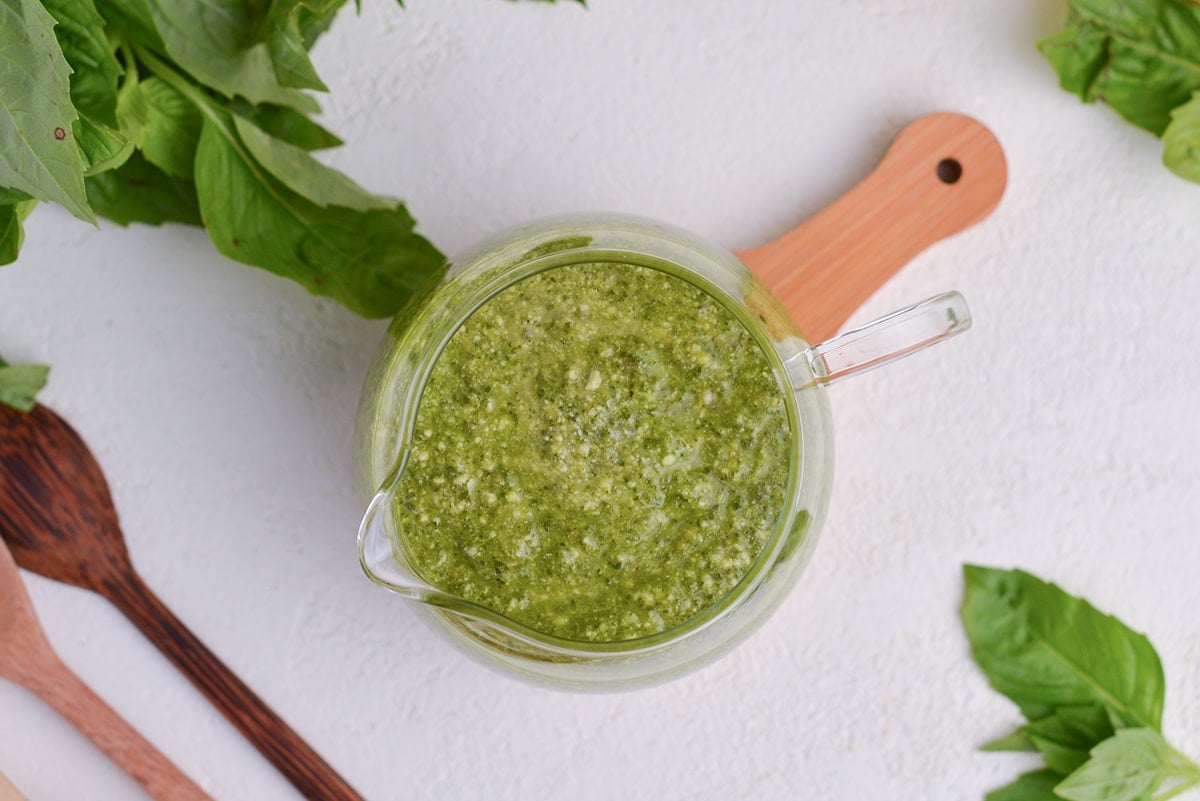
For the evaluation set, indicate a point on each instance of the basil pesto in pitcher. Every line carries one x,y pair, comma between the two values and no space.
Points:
597,452
600,454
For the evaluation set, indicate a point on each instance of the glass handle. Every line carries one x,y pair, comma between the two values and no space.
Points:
889,338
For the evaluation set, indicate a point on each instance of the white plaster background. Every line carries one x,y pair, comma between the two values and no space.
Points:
1060,434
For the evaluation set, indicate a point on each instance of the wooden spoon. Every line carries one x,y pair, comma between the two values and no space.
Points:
27,658
8,792
943,173
58,518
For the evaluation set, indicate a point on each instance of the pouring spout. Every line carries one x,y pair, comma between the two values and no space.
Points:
380,556
384,561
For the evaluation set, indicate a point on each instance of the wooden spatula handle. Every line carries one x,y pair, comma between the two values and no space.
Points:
942,173
8,792
60,688
265,730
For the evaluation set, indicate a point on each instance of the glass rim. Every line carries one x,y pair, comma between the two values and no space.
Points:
783,529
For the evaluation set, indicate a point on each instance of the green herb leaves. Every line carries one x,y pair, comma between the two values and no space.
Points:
1181,140
303,174
19,384
103,108
1142,58
94,68
1046,649
1037,785
163,124
11,233
1065,736
159,111
1132,764
214,43
137,191
38,153
368,257
1091,688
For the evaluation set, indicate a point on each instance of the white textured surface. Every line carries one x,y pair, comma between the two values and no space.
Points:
1058,435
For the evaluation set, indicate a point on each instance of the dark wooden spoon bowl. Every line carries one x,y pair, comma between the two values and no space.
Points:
59,520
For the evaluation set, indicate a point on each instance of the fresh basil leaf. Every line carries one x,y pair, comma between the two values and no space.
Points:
1042,647
100,147
38,154
1130,766
208,40
80,33
1181,140
164,124
12,234
315,21
292,65
303,174
211,41
1066,737
10,196
1017,741
370,261
1078,54
134,18
20,383
138,191
1037,785
288,125
285,42
1141,57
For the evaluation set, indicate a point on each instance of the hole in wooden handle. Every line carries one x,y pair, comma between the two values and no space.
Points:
949,171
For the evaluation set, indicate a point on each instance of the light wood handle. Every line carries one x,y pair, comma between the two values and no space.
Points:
943,173
76,702
8,792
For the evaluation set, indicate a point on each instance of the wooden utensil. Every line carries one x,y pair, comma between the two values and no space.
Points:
943,173
58,518
27,658
8,792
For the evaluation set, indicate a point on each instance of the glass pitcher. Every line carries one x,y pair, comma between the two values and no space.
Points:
416,338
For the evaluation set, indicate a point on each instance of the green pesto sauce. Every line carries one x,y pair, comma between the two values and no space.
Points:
601,453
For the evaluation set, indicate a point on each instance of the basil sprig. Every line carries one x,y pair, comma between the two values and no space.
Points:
1091,689
1142,58
200,113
